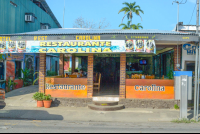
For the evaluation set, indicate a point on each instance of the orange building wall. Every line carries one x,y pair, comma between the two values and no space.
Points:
66,93
132,93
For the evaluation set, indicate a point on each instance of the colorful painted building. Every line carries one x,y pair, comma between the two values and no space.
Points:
121,64
23,16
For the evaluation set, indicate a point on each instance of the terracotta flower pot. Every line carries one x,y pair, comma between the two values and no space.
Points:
47,103
40,104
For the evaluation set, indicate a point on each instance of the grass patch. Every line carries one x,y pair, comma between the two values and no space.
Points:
176,107
184,121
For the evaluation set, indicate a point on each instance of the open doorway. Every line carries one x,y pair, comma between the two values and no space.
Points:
109,67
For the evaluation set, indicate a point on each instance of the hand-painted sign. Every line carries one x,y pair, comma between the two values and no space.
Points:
2,56
160,37
190,49
150,89
74,46
65,87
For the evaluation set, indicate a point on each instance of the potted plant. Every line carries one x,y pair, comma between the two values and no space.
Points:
39,98
47,99
10,84
27,77
170,75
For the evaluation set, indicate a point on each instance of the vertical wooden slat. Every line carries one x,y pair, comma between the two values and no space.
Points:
73,63
42,73
122,89
61,64
90,75
175,57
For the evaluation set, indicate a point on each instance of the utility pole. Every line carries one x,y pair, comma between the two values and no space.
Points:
197,91
197,65
64,15
177,14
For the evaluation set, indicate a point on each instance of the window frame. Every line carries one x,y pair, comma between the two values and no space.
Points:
22,76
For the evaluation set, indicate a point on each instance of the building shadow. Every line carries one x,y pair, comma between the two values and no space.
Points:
2,104
191,114
55,102
22,91
29,115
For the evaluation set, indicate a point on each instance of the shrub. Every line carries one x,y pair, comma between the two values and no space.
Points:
38,96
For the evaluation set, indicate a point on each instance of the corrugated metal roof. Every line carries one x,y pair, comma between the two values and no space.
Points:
65,31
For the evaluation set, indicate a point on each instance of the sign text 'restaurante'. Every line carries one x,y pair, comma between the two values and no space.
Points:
75,46
65,87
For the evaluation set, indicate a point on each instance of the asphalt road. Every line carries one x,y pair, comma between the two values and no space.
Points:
29,126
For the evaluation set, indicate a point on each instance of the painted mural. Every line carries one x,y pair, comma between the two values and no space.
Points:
2,71
14,63
74,46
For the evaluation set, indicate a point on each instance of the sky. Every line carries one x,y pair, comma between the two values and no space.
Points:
158,14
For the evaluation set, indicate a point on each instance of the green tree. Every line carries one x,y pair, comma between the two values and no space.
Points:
129,26
130,9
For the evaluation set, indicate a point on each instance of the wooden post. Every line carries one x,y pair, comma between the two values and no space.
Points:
90,76
73,63
122,89
61,65
42,72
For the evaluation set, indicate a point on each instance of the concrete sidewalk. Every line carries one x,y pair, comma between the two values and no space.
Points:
22,97
85,114
20,105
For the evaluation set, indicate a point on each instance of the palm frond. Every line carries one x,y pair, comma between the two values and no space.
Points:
124,9
35,73
137,7
35,80
133,4
127,4
122,25
128,24
141,11
133,10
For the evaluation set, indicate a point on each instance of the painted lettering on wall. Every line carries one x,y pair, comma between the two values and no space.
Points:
186,38
39,38
65,87
149,88
191,50
73,47
5,39
88,37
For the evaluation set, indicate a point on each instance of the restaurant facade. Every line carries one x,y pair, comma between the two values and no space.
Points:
122,64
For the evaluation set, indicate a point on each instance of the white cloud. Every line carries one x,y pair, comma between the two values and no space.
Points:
192,1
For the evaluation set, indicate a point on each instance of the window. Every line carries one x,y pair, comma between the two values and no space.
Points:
2,72
45,26
30,17
56,67
18,66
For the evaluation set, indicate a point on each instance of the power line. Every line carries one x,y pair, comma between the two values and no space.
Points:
183,3
192,13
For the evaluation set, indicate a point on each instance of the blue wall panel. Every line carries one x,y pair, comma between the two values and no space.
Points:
12,19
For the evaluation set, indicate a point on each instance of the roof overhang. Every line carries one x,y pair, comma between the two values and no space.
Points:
160,37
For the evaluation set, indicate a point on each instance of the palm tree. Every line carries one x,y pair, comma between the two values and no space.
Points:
129,26
130,9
